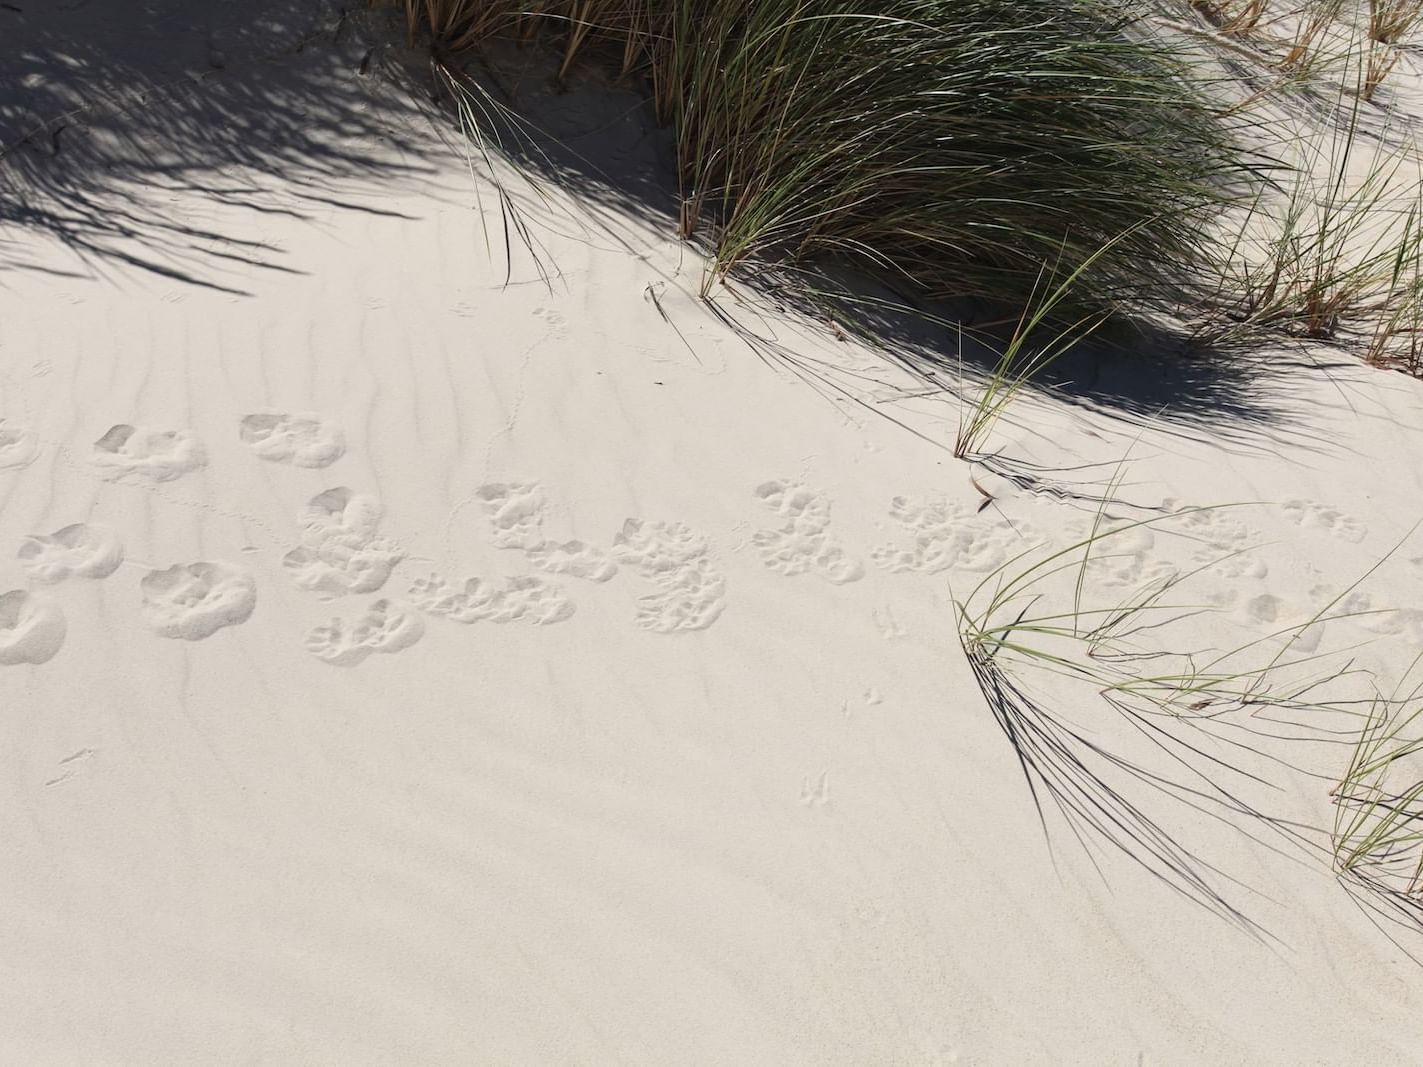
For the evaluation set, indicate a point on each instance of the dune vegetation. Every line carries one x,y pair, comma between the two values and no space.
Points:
959,148
1102,156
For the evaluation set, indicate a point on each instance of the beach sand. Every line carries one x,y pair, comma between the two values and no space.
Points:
404,659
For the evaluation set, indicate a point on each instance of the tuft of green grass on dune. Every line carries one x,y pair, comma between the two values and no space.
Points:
955,147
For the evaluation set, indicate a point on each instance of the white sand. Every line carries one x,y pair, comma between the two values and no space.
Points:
404,667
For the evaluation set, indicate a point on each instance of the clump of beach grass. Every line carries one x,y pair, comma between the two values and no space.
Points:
1190,705
1315,21
1331,254
1308,44
1390,25
1393,21
1397,339
953,147
1378,826
1031,616
1039,337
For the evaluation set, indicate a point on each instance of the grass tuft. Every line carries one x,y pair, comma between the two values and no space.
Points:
954,147
1378,824
1186,705
1393,21
1335,252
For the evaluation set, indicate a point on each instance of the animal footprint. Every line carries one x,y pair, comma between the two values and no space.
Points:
1407,622
195,600
387,627
692,594
340,515
889,627
303,439
576,558
525,599
802,543
32,628
135,452
1266,609
550,316
658,549
340,551
1119,555
1310,516
691,601
337,570
1389,622
514,511
1240,565
18,448
943,536
80,550
1220,539
1215,529
815,792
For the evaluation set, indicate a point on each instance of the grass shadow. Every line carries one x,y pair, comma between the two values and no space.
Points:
117,113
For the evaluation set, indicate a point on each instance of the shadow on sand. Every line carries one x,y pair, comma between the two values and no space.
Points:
117,115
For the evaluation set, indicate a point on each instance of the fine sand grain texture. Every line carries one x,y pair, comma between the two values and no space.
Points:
404,660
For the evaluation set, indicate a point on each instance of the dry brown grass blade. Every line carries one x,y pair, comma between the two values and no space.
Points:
1391,21
1231,19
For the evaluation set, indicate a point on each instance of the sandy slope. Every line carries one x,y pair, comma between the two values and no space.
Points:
410,667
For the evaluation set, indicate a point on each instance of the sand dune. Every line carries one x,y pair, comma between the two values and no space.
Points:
652,739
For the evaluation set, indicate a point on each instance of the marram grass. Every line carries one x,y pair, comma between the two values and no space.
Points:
954,147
